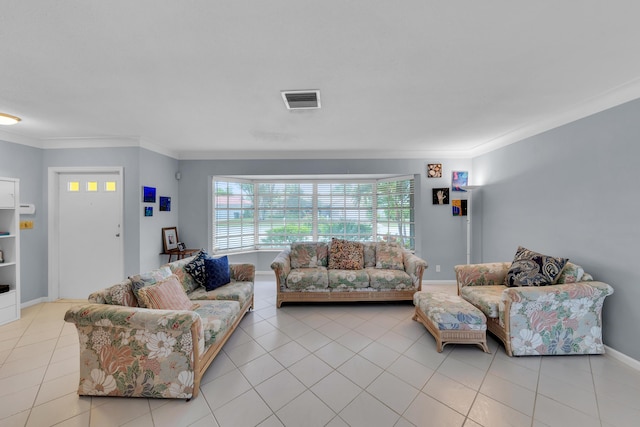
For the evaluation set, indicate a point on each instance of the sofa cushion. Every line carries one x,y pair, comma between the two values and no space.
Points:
178,268
308,254
450,312
234,291
347,279
197,269
139,281
486,298
389,256
369,254
167,294
493,273
530,268
217,317
571,273
217,272
389,279
307,278
346,255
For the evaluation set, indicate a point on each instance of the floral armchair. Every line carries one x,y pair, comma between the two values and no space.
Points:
565,318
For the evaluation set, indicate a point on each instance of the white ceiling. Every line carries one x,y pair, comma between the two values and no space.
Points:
202,79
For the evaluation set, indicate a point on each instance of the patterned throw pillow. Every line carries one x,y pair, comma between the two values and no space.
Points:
533,269
346,255
142,280
571,273
308,255
167,294
389,256
197,269
217,272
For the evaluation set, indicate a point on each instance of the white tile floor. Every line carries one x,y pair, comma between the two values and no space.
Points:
315,365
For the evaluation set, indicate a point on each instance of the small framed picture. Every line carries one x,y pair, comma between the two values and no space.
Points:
181,246
149,194
459,179
170,238
165,204
440,196
148,211
434,170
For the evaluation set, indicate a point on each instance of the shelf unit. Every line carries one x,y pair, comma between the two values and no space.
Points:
10,247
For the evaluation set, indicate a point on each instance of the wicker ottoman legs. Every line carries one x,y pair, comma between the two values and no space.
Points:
451,319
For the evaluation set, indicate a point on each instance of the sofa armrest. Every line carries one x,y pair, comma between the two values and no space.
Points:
414,266
127,351
556,319
281,266
242,272
486,274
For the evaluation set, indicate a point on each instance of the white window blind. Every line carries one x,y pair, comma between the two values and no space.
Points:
269,214
233,215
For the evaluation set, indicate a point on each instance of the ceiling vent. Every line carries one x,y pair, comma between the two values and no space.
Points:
301,99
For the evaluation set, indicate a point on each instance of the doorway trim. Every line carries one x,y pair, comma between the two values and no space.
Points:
54,222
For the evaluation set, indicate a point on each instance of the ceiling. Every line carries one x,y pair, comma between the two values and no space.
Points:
203,78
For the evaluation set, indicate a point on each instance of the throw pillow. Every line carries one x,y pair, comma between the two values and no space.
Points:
389,256
167,294
217,272
139,281
533,269
346,255
571,273
197,269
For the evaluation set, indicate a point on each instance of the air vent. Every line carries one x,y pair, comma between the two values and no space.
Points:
301,99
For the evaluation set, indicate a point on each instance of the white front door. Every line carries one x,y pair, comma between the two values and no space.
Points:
90,254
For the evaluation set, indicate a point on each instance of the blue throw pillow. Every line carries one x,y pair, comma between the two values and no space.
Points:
217,272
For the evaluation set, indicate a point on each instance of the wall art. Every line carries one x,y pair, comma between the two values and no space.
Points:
440,196
459,207
148,211
149,194
165,204
459,179
434,170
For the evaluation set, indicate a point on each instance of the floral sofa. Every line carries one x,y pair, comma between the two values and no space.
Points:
127,350
343,270
564,318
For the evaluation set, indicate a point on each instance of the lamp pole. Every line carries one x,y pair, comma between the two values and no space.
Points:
470,189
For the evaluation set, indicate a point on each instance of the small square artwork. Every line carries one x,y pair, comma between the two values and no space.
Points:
434,170
149,194
440,196
165,204
459,207
459,179
148,211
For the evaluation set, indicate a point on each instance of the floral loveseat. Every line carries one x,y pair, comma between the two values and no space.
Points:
127,350
564,318
347,271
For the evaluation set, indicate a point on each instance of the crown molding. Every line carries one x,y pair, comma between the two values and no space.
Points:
609,99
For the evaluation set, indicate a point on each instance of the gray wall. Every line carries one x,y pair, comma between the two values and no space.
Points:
441,238
25,163
156,171
572,192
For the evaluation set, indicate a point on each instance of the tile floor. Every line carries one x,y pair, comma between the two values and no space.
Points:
315,365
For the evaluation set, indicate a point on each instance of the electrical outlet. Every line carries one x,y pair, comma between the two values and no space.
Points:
438,268
26,225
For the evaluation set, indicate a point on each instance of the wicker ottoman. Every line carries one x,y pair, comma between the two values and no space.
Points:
451,319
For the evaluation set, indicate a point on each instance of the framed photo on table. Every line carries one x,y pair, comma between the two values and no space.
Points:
169,238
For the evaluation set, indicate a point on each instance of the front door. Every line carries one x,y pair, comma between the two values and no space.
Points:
90,232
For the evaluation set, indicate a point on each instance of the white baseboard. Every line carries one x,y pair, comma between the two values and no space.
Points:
265,272
34,302
438,282
621,357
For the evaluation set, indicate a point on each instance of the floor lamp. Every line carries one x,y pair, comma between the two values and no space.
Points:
470,189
